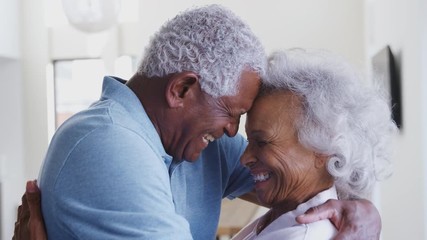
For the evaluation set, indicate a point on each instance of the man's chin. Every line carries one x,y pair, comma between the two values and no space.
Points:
186,155
193,151
192,157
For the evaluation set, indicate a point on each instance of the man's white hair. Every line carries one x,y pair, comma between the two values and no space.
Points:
342,118
210,41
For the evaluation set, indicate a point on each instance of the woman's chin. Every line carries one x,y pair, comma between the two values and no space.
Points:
262,198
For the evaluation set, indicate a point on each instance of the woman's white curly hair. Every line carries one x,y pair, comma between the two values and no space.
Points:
342,118
210,41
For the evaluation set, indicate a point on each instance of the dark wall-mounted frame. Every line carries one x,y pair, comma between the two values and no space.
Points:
386,71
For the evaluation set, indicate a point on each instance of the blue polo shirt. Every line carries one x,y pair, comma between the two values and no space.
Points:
107,176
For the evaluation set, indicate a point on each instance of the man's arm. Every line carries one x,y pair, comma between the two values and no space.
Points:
114,185
29,224
354,219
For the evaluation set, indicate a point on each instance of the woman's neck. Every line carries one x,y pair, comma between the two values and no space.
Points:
275,212
290,204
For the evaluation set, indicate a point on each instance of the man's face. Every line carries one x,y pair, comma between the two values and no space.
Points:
208,118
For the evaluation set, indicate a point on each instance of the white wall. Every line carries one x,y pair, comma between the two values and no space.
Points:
11,143
11,117
332,24
9,29
423,50
403,197
35,57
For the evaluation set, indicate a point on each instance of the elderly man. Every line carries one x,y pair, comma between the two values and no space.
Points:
150,160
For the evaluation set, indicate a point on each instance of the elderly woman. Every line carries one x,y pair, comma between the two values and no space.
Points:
315,133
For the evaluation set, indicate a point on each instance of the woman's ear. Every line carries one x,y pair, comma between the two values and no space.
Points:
181,86
320,160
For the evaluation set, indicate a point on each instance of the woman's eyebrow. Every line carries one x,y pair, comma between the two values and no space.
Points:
257,132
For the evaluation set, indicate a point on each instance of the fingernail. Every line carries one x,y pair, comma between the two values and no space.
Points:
31,187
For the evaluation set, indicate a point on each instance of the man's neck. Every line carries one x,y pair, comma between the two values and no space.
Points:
150,92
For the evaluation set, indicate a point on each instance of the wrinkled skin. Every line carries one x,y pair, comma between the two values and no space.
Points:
294,173
30,224
354,219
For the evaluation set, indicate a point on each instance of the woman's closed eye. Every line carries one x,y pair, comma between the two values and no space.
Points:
261,143
258,142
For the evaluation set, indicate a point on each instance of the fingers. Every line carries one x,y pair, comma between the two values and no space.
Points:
21,229
33,198
16,232
354,219
32,190
23,212
328,210
315,214
36,223
19,211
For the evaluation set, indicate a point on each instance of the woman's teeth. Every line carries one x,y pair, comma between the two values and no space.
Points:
208,138
261,177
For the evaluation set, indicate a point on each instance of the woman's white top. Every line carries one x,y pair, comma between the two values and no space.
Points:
286,227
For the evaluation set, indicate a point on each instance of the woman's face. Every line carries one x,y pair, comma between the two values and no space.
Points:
283,169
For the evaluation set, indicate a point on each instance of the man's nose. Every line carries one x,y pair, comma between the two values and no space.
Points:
231,129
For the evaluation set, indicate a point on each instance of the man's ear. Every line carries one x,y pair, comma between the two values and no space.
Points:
180,86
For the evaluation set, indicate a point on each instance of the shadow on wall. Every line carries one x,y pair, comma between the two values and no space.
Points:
386,72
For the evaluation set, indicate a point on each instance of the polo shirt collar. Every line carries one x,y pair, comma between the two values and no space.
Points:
115,88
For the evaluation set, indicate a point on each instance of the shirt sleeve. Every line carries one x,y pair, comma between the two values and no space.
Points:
239,181
114,186
320,230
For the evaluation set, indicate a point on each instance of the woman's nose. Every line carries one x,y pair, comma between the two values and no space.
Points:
248,159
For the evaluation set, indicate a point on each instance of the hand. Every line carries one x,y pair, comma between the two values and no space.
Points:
29,224
354,219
